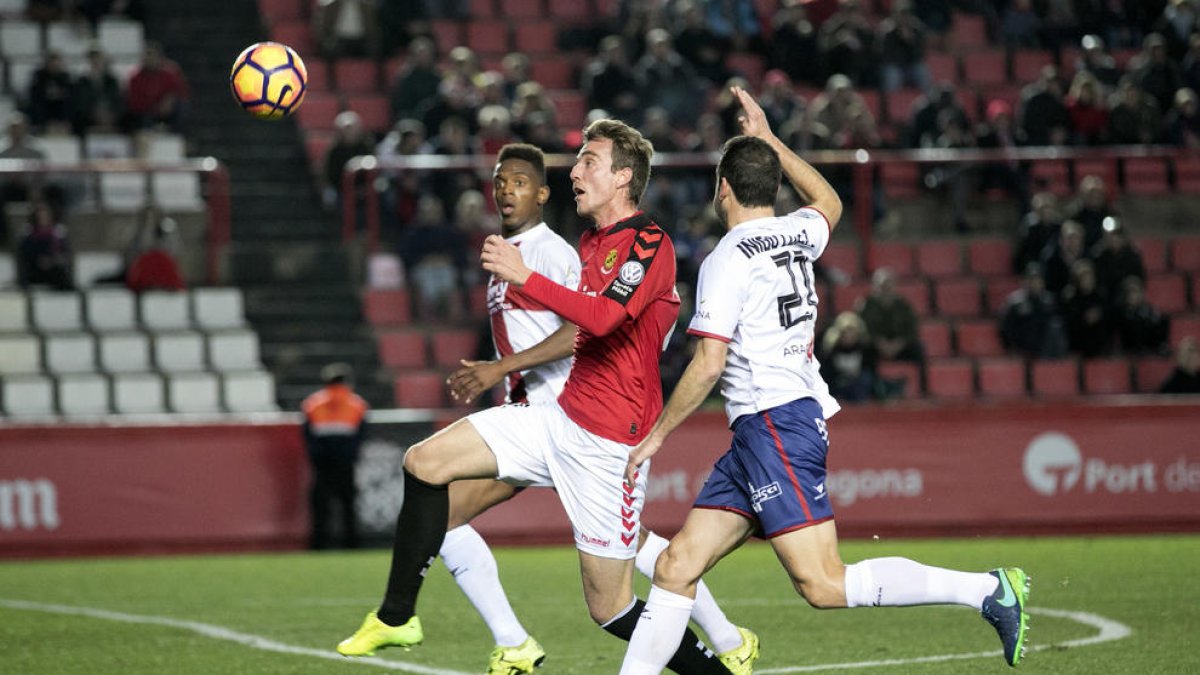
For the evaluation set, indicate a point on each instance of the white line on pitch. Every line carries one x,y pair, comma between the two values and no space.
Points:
1108,630
220,633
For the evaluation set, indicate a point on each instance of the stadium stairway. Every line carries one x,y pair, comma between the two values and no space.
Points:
301,294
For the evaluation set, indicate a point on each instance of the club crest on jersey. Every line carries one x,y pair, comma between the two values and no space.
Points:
632,273
609,261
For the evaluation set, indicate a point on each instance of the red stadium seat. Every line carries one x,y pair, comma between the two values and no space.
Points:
1054,378
901,180
846,297
391,70
553,73
318,111
899,105
1027,64
1106,169
1185,255
990,257
969,31
1009,93
403,349
387,306
522,9
447,34
843,257
356,75
420,389
985,68
1154,254
1146,177
907,371
978,337
916,291
939,258
1196,291
316,145
950,378
1187,176
1184,325
538,37
958,297
894,255
319,79
296,34
488,37
873,102
274,11
1002,377
1106,376
1167,292
943,67
1149,374
571,10
997,293
571,109
483,9
375,110
748,65
1051,176
935,337
452,345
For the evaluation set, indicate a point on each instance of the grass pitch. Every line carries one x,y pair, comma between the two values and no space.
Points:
283,613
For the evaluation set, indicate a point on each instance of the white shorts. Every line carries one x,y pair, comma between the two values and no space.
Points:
538,445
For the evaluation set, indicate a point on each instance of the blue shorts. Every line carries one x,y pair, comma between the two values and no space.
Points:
774,473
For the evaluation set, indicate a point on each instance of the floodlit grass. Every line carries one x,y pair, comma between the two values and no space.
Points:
310,601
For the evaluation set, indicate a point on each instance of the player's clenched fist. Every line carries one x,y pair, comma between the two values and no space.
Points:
504,260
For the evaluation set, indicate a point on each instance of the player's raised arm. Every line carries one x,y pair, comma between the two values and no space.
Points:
807,180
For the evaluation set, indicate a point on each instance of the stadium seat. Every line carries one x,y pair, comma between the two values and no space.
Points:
943,67
1196,291
935,337
894,255
175,191
14,312
318,111
92,265
163,147
178,352
1187,175
1167,292
1150,373
570,108
536,38
124,352
898,104
20,355
27,396
123,192
846,296
1154,254
296,34
957,297
138,393
69,39
1145,176
571,10
281,10
1027,64
216,308
110,309
62,149
447,34
1106,169
950,378
356,75
989,257
1106,376
906,371
20,39
248,391
403,349
83,394
916,291
232,350
8,270
120,37
1051,176
873,102
553,73
193,393
1184,325
998,290
483,9
374,109
522,9
901,180
316,146
1054,378
978,337
844,258
420,389
983,68
164,310
1002,377
452,345
488,37
20,72
1185,256
69,353
387,306
939,258
56,310
320,79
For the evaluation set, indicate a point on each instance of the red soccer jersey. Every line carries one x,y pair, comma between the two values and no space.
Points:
614,389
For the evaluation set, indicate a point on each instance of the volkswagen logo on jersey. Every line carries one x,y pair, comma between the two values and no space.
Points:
632,273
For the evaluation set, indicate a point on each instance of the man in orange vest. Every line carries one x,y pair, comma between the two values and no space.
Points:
335,422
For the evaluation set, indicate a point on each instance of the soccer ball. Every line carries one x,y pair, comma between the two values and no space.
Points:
269,80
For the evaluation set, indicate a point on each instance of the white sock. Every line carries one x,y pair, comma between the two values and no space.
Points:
895,582
658,633
722,635
471,562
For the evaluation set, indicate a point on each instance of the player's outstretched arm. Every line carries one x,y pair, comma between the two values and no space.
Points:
698,379
476,377
807,180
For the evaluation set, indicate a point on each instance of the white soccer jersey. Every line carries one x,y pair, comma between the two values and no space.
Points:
756,292
519,322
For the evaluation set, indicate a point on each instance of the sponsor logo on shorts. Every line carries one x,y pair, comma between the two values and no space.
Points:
762,494
594,541
819,491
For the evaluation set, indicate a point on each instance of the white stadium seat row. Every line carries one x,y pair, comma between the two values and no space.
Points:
104,309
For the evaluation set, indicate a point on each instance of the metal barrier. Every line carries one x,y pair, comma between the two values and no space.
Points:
216,178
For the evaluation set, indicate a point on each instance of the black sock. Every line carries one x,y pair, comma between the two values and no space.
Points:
420,529
692,657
